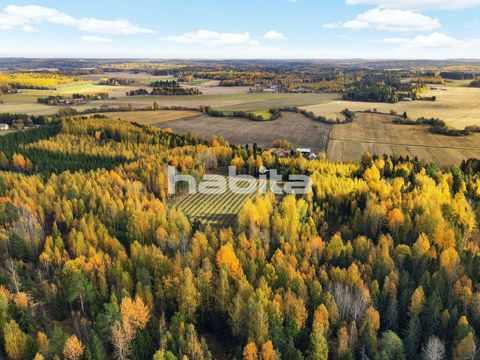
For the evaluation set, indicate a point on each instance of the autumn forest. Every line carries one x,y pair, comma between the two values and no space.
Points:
380,261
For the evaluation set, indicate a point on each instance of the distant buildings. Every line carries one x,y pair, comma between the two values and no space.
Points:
271,89
305,152
4,127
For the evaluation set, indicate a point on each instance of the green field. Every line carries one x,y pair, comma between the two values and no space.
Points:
264,114
6,132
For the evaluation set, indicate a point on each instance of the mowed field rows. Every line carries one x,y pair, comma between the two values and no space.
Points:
296,128
214,209
377,134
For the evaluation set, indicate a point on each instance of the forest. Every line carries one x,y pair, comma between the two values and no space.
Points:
166,91
380,261
380,88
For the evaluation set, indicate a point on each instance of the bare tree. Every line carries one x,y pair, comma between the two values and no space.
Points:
434,349
121,341
13,274
208,160
28,227
351,302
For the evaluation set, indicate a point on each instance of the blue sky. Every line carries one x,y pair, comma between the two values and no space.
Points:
293,29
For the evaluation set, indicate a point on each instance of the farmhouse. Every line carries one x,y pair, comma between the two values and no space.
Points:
271,89
307,153
4,127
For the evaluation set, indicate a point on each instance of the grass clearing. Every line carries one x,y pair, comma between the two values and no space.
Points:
6,132
265,114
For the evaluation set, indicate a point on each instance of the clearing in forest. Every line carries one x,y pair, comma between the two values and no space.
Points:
215,209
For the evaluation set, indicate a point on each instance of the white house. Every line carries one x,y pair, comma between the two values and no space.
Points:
4,127
304,151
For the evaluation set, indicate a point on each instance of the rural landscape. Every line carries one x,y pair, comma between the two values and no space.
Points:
213,195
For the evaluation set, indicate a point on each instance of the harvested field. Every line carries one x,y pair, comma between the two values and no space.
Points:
151,117
296,128
213,88
24,103
458,106
221,98
377,134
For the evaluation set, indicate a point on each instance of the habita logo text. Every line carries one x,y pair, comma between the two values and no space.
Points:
268,181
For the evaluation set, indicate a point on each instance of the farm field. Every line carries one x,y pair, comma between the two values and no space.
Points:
213,88
245,102
217,210
151,117
140,77
90,88
296,128
377,134
458,106
26,102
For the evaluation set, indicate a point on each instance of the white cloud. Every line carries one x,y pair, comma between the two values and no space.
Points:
420,4
27,14
25,17
389,20
29,28
213,38
274,35
120,26
97,39
435,40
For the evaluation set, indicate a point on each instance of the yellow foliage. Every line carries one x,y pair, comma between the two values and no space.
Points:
463,321
15,340
250,352
21,300
445,238
395,218
417,301
320,318
42,342
268,352
226,258
372,318
422,245
36,80
73,348
135,314
449,259
466,348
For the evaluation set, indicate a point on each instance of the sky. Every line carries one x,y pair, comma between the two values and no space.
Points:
241,29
